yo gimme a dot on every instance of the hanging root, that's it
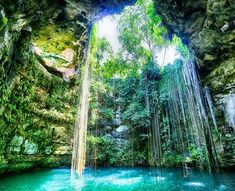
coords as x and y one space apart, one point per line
80 132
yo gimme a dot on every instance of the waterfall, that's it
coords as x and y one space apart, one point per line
80 131
185 108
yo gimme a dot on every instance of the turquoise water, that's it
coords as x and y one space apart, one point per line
119 179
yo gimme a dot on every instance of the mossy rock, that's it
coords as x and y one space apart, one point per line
21 166
54 38
221 78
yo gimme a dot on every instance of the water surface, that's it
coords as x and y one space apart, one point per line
119 179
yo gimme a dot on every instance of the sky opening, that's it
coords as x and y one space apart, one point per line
108 28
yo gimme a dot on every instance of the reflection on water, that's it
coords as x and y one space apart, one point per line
119 179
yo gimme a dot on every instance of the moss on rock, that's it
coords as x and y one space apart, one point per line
54 39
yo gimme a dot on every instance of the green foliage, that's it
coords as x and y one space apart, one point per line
168 74
172 159
3 22
106 151
136 115
126 77
103 150
141 33
182 49
196 154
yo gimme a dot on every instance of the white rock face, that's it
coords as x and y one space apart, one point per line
30 148
230 111
122 129
16 142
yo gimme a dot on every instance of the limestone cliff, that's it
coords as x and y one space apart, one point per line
41 52
200 25
207 26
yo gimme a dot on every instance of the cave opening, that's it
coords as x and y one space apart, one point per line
146 97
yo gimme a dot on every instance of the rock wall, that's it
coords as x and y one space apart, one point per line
41 54
199 24
207 26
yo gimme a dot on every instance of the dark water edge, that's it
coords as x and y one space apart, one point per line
32 163
119 179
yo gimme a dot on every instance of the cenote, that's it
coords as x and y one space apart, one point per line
127 95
